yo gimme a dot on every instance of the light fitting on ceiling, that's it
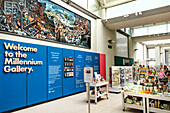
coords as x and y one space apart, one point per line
135 49
125 16
111 41
138 13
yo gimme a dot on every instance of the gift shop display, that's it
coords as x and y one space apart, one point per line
100 88
68 67
120 76
153 86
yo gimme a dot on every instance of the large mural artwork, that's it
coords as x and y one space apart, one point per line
46 20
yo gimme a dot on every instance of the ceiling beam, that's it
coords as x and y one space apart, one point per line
152 16
115 3
162 36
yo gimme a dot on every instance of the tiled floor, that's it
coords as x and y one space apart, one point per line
77 104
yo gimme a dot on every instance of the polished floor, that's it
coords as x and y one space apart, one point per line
77 104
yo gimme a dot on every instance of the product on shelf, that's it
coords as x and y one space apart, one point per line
161 104
134 100
68 67
151 83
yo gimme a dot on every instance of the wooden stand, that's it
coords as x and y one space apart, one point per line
96 94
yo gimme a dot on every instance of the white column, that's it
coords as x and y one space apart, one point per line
157 55
169 59
163 55
145 52
103 13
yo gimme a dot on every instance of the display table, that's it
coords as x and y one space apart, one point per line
145 103
157 110
97 94
124 105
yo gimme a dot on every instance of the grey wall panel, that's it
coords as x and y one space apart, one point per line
121 45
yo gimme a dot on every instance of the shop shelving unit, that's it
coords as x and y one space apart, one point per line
124 105
157 110
96 94
145 106
120 76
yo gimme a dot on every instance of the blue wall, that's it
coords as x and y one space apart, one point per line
46 81
68 82
79 71
37 80
55 59
12 85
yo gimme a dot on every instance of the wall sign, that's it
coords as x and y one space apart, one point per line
45 20
79 68
126 61
55 61
14 56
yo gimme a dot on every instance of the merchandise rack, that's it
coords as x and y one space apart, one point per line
124 105
145 103
96 94
157 110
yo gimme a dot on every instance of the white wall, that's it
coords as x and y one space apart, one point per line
103 35
131 48
157 55
139 52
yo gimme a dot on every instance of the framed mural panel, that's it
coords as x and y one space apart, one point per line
43 19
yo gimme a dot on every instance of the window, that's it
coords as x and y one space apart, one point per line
141 31
121 45
157 29
135 6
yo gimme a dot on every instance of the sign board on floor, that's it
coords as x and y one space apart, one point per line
88 74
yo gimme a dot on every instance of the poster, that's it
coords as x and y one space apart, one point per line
68 67
79 68
96 63
88 59
45 20
54 72
88 74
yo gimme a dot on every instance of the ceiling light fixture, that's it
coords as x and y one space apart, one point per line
111 41
140 13
125 16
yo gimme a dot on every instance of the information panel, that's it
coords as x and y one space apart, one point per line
68 76
96 63
88 59
54 72
37 79
79 68
12 80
